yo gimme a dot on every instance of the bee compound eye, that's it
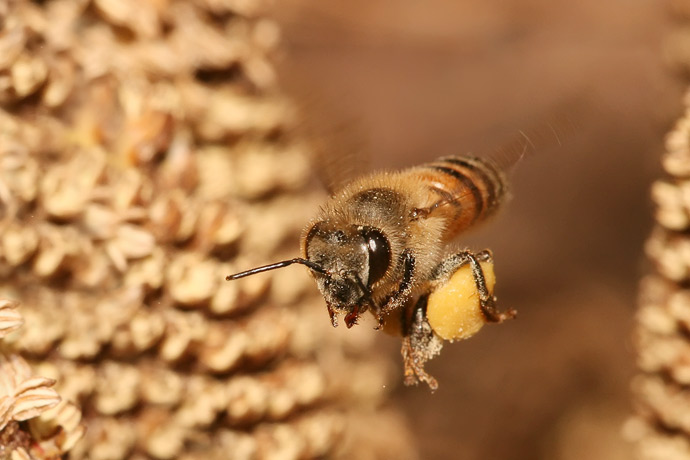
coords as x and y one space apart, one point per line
379 253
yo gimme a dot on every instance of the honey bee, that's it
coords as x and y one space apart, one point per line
380 245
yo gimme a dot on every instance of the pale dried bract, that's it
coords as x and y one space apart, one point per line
10 318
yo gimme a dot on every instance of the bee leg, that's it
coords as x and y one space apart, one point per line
420 344
487 302
381 322
423 213
332 315
398 298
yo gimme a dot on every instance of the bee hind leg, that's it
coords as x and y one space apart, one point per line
487 301
420 344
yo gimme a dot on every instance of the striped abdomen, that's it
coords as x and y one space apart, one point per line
468 189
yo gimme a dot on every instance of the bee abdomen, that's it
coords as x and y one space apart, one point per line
487 178
469 188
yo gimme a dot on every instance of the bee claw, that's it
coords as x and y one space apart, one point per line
351 319
494 316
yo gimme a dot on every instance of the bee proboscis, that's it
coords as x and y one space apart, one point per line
380 245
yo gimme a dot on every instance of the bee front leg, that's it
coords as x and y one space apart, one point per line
332 315
420 344
487 301
397 299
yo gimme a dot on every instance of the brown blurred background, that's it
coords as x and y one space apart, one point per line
416 80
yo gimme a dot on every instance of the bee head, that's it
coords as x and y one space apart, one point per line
353 258
346 262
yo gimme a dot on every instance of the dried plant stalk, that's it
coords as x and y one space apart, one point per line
661 429
145 154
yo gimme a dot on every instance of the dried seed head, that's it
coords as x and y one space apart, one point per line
22 395
140 161
61 82
117 388
65 419
12 42
28 74
10 319
20 454
66 189
191 279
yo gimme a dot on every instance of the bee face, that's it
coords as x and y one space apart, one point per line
354 259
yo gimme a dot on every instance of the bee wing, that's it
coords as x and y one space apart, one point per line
327 120
551 132
526 142
487 174
335 141
338 153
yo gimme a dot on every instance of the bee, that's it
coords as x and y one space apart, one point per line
380 245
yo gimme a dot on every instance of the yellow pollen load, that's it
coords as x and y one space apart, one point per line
453 309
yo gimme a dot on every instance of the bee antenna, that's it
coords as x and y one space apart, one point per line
284 263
